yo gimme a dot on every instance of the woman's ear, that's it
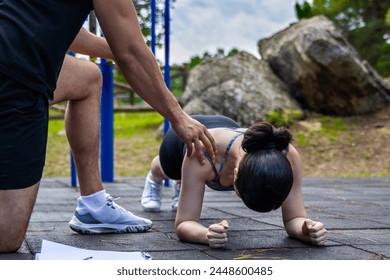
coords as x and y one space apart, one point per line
235 172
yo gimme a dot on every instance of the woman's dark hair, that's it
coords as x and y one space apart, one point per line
264 177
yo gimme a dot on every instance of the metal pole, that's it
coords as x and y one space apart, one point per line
73 170
107 122
153 26
167 68
73 180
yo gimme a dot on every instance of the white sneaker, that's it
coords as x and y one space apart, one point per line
176 193
151 196
109 218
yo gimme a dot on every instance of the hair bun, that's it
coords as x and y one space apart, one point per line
264 136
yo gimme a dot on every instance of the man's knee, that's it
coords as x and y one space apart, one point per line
78 80
16 207
94 78
11 244
12 236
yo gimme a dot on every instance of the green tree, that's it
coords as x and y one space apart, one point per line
144 17
303 11
365 23
220 53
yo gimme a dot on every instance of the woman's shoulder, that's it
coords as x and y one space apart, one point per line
292 153
227 130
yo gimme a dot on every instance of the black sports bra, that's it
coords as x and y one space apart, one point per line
215 183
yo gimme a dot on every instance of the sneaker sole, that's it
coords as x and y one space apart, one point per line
154 210
82 228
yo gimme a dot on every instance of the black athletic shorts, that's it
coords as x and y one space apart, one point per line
172 149
23 134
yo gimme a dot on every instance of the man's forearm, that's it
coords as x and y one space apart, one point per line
144 76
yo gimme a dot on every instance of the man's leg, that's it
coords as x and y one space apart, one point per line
23 134
15 211
80 83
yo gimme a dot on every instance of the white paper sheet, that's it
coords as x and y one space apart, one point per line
56 251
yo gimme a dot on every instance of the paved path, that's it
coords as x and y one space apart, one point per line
355 212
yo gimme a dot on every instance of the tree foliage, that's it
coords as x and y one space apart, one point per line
220 53
144 14
144 17
365 23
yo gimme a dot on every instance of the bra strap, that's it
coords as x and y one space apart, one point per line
228 149
206 154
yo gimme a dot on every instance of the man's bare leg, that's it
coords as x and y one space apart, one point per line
80 82
15 211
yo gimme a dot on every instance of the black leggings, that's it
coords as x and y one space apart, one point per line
172 149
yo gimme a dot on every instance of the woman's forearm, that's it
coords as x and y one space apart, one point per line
193 232
294 228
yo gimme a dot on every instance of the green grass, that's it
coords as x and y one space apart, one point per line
136 143
284 117
329 130
128 124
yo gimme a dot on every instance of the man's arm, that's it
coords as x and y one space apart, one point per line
119 22
89 44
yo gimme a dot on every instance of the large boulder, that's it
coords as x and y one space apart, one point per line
323 71
241 87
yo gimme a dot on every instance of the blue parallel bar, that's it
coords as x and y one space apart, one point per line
167 68
107 123
73 171
153 26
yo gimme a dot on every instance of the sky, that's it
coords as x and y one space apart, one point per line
206 25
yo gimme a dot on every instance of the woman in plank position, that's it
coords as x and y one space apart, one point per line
258 163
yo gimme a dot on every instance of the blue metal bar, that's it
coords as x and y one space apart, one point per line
73 171
153 26
167 68
107 123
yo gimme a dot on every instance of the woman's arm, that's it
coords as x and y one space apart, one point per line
188 228
294 214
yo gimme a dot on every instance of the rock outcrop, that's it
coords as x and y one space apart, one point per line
323 71
241 87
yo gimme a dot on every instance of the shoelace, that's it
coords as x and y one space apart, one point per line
111 203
